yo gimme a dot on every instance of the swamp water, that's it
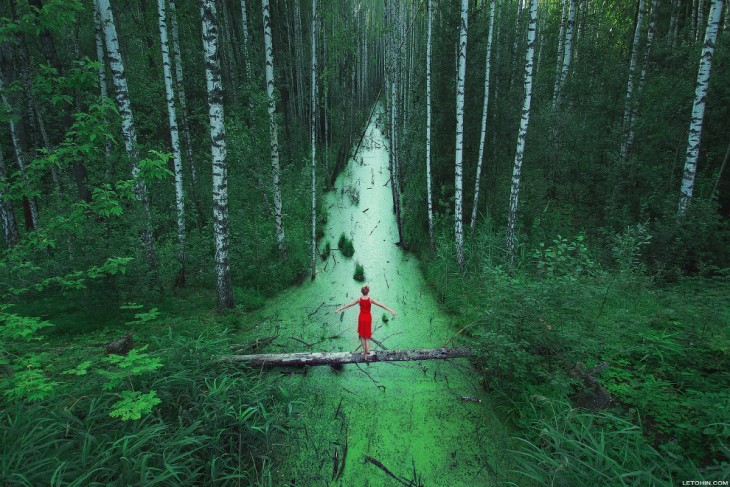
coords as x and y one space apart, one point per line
407 416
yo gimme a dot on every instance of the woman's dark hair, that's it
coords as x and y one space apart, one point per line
365 290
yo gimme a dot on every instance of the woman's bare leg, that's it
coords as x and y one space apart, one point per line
362 344
367 346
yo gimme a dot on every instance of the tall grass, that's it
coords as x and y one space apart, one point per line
216 426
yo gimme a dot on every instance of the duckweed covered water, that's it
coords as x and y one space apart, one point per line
407 416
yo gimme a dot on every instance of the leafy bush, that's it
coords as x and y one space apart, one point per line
345 246
564 258
359 275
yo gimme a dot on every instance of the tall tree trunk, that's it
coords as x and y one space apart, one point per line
431 235
700 19
642 77
698 107
182 100
483 134
298 43
19 148
567 54
7 215
458 159
275 172
521 136
211 48
244 30
103 89
313 132
630 83
129 132
559 62
175 142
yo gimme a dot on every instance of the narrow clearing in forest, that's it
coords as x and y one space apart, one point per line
382 423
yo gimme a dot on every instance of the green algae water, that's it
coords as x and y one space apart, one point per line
409 417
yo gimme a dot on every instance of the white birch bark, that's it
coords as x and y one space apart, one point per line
567 54
275 172
431 235
244 29
483 134
654 7
129 132
298 41
313 120
630 83
19 153
174 140
694 19
182 100
522 135
698 107
103 89
458 159
214 86
7 216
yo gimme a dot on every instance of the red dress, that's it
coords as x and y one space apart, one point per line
365 320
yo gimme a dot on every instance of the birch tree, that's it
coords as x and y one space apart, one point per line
567 55
103 89
312 115
458 159
654 7
698 107
184 117
32 215
630 83
483 134
7 215
129 132
275 172
431 235
559 61
174 140
514 196
244 30
214 86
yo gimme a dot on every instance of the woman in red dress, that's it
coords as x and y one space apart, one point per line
365 320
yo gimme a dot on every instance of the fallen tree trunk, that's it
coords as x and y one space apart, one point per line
340 358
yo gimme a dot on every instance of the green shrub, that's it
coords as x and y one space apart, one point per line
359 275
326 252
345 246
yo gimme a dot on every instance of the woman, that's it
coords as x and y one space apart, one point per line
365 320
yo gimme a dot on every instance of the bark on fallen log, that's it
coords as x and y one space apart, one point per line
339 358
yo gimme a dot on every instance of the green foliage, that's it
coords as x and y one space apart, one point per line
215 423
627 248
134 404
359 274
564 258
326 252
345 246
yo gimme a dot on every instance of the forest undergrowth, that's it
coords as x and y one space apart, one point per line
610 376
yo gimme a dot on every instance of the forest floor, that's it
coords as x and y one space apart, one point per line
408 417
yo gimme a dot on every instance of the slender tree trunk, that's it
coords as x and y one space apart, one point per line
642 77
32 215
103 90
244 29
211 48
298 42
698 107
559 62
630 83
275 172
129 132
175 142
182 100
458 159
483 134
7 215
313 133
700 19
522 134
431 235
567 54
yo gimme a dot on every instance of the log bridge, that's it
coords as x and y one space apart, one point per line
341 358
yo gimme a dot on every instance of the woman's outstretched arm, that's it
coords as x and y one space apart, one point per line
384 307
345 306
